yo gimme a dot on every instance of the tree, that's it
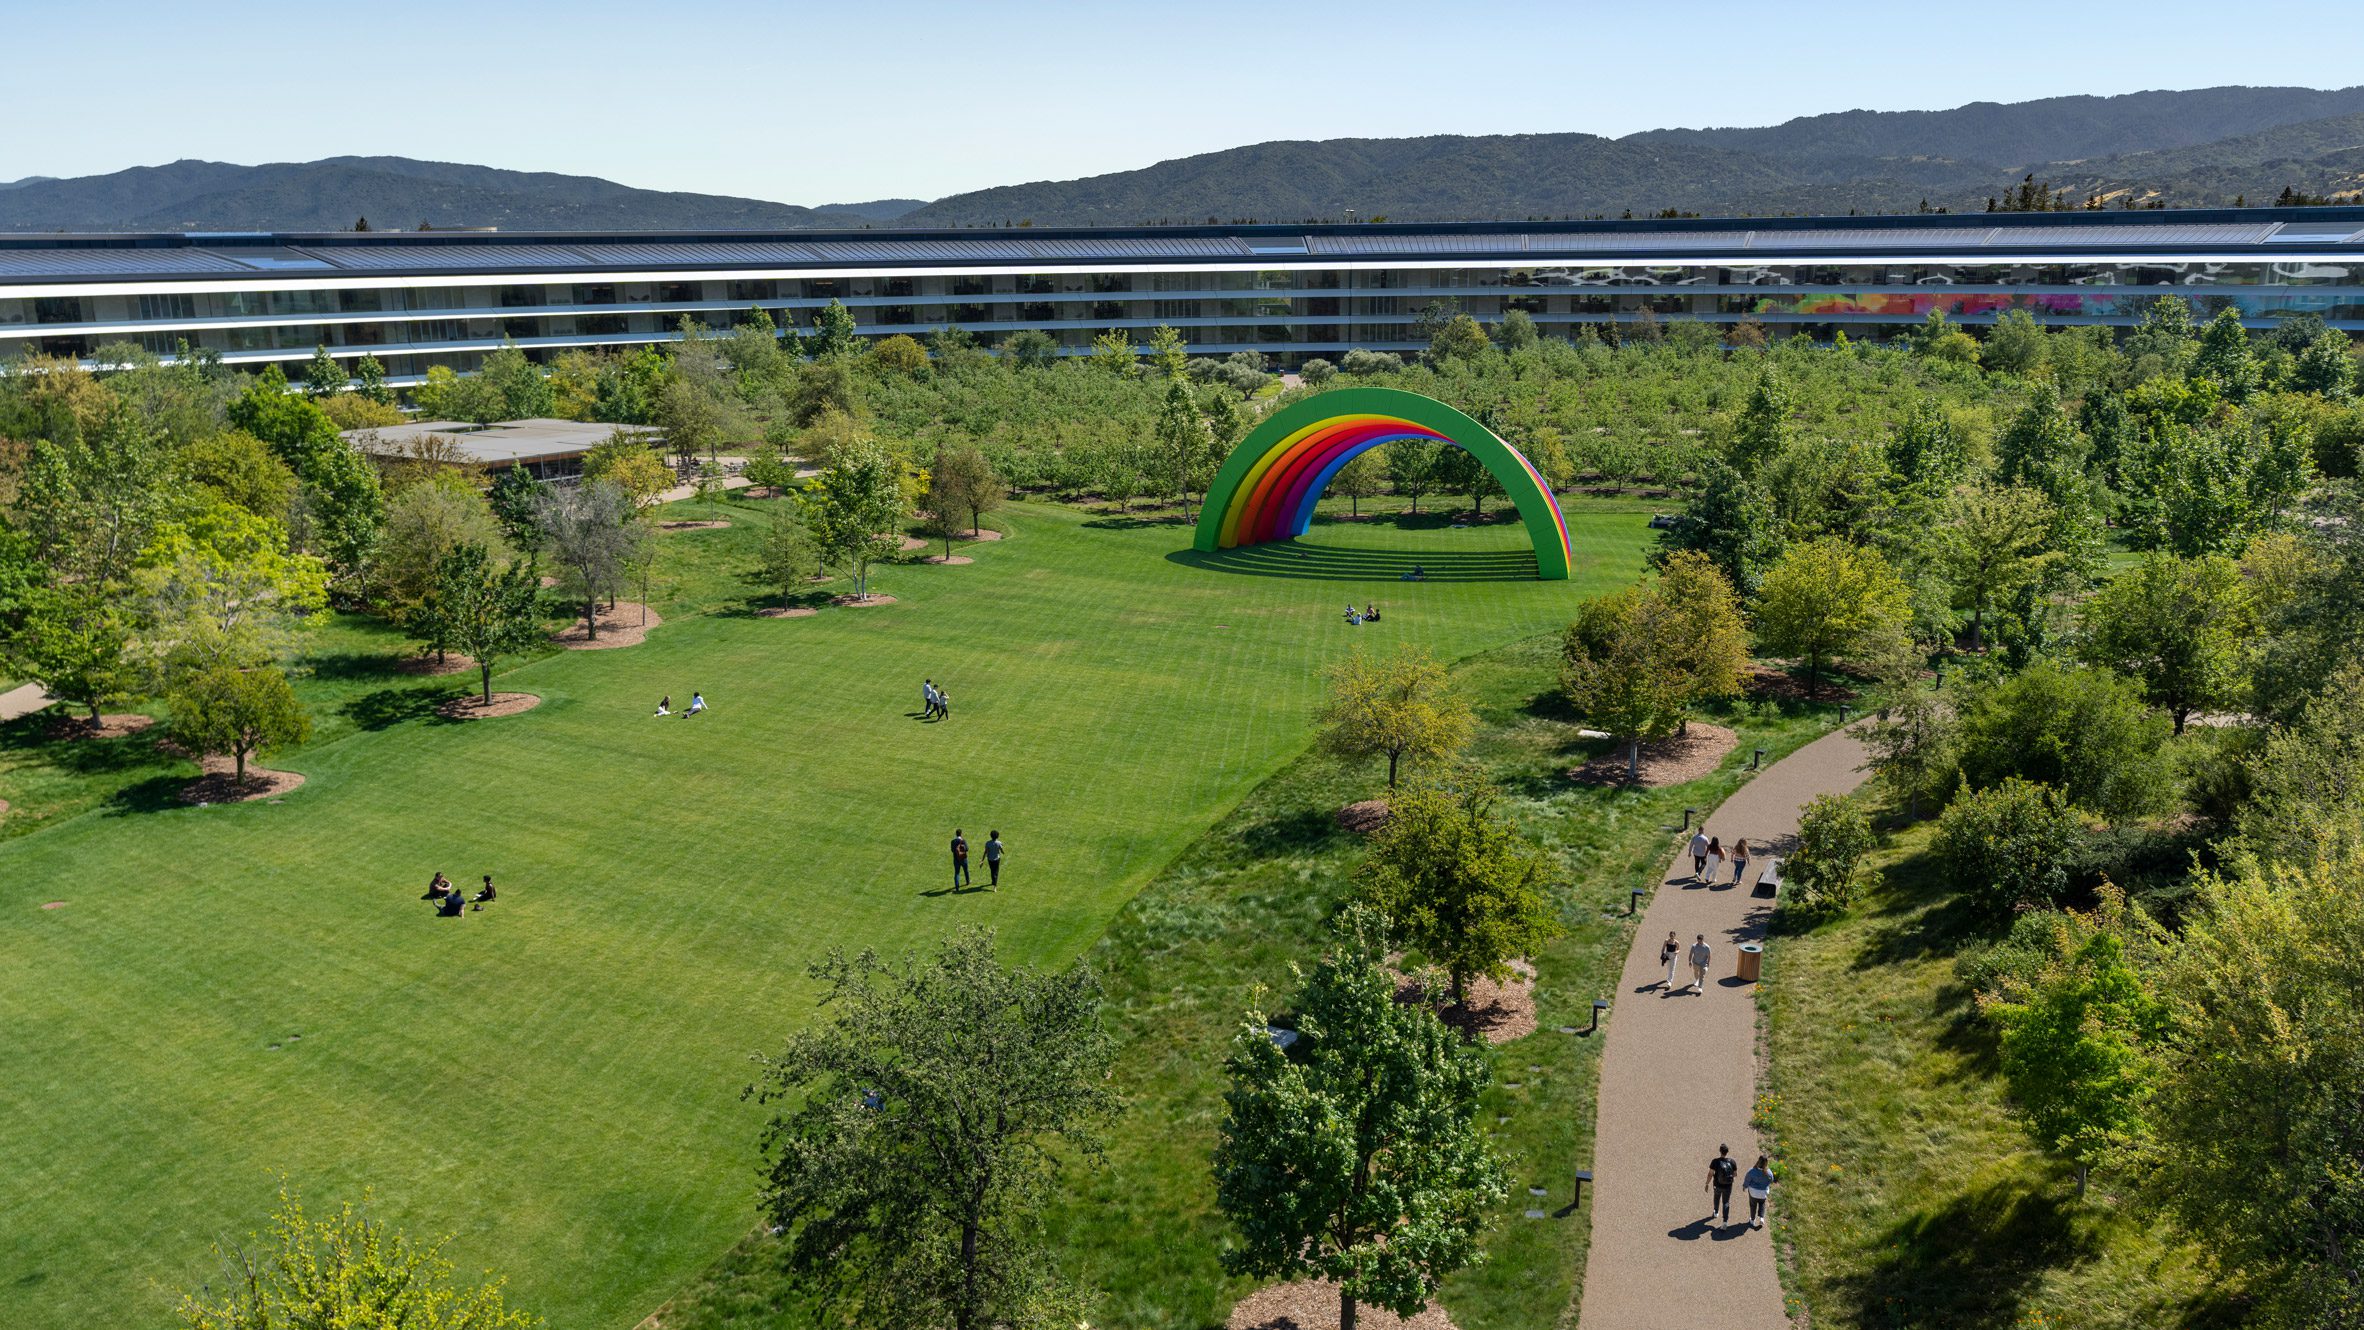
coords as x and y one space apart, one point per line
1355 1156
788 556
342 500
589 533
423 524
221 585
697 417
1458 471
1185 447
1827 598
1400 709
2225 358
900 354
1614 668
822 389
2254 1117
1993 545
1168 353
2084 731
2006 848
834 336
857 503
73 639
235 467
2078 1044
1459 338
515 497
484 610
519 384
369 378
1516 332
1827 870
1730 521
222 709
2306 783
962 484
1030 348
1763 429
1361 478
343 1270
1112 354
625 460
1911 740
2326 366
2182 627
1459 884
2015 345
323 376
1411 467
1710 649
922 1130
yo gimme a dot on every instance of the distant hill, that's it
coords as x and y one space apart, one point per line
394 193
2203 147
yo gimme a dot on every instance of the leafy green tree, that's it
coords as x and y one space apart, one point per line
1730 521
1402 709
2161 344
1412 466
589 532
857 505
1361 478
1031 348
74 640
2326 367
1763 429
1828 869
2225 359
963 484
1458 883
788 556
369 380
924 1126
1168 353
1638 661
1355 1157
2182 627
89 498
2015 345
424 523
342 1270
628 387
523 390
1112 354
2079 1048
1825 599
625 460
1459 338
1185 446
1516 331
1994 544
515 496
2006 848
822 389
2083 731
1911 736
323 376
1458 471
2306 782
2254 1116
486 611
834 336
221 584
342 500
900 354
235 467
1927 451
222 709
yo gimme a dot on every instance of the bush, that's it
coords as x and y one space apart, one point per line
1317 372
1361 363
2084 731
2012 964
2008 848
1827 871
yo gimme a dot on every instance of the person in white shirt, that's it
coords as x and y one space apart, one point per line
1699 853
697 704
1701 954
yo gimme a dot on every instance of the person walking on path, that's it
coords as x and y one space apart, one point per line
1715 859
960 860
1720 1172
1699 854
1701 954
1739 859
1670 954
1758 1185
993 853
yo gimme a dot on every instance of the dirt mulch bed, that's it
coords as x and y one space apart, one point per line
787 612
620 626
3 805
1494 1012
474 707
219 786
947 560
857 603
1664 762
1764 685
454 663
691 526
1312 1304
981 533
109 726
1364 818
915 543
548 582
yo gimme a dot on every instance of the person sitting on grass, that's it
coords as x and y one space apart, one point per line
1353 615
437 888
451 904
1370 614
697 704
486 894
665 705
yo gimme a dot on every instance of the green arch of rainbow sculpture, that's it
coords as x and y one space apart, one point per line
1268 486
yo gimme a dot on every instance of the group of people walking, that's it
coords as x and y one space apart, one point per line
1757 1186
1708 855
451 899
934 705
960 860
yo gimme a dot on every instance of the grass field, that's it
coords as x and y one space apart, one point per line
1911 1195
231 993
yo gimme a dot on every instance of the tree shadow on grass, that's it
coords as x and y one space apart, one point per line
1302 831
388 707
154 795
351 666
1131 521
1969 1263
79 756
1332 563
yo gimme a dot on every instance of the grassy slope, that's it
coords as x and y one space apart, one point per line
1911 1195
555 1080
1230 913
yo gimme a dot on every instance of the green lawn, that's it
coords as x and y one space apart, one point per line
235 992
1911 1195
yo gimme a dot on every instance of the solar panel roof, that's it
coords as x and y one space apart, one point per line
113 262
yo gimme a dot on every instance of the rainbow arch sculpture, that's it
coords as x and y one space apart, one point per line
1270 483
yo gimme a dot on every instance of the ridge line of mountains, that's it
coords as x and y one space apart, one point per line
2206 147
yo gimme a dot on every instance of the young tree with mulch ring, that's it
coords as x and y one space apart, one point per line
961 484
931 1119
590 531
485 610
223 710
856 503
1828 598
1401 709
1459 884
1356 1156
788 556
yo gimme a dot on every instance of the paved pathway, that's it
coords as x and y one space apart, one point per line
23 702
1678 1078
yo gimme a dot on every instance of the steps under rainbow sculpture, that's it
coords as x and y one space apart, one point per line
1270 483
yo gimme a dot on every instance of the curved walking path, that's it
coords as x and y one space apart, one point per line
1679 1078
23 701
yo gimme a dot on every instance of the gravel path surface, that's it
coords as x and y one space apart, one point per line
1679 1078
23 701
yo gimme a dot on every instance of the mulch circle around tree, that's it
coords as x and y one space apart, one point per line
1362 818
1312 1304
1664 761
947 560
1494 1012
109 726
787 612
690 526
1764 685
474 707
620 625
981 533
852 602
452 663
915 543
219 786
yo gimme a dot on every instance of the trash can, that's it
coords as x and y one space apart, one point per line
1752 956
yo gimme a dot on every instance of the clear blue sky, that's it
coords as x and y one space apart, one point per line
860 99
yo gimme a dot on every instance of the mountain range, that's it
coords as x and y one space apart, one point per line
2204 147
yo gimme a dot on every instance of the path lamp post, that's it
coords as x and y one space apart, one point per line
1757 761
1599 1005
1633 903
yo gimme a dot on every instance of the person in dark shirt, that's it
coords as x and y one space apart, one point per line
960 860
1720 1172
993 853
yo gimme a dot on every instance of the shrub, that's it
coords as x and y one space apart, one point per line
1317 372
1361 362
2008 848
1827 871
2085 731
